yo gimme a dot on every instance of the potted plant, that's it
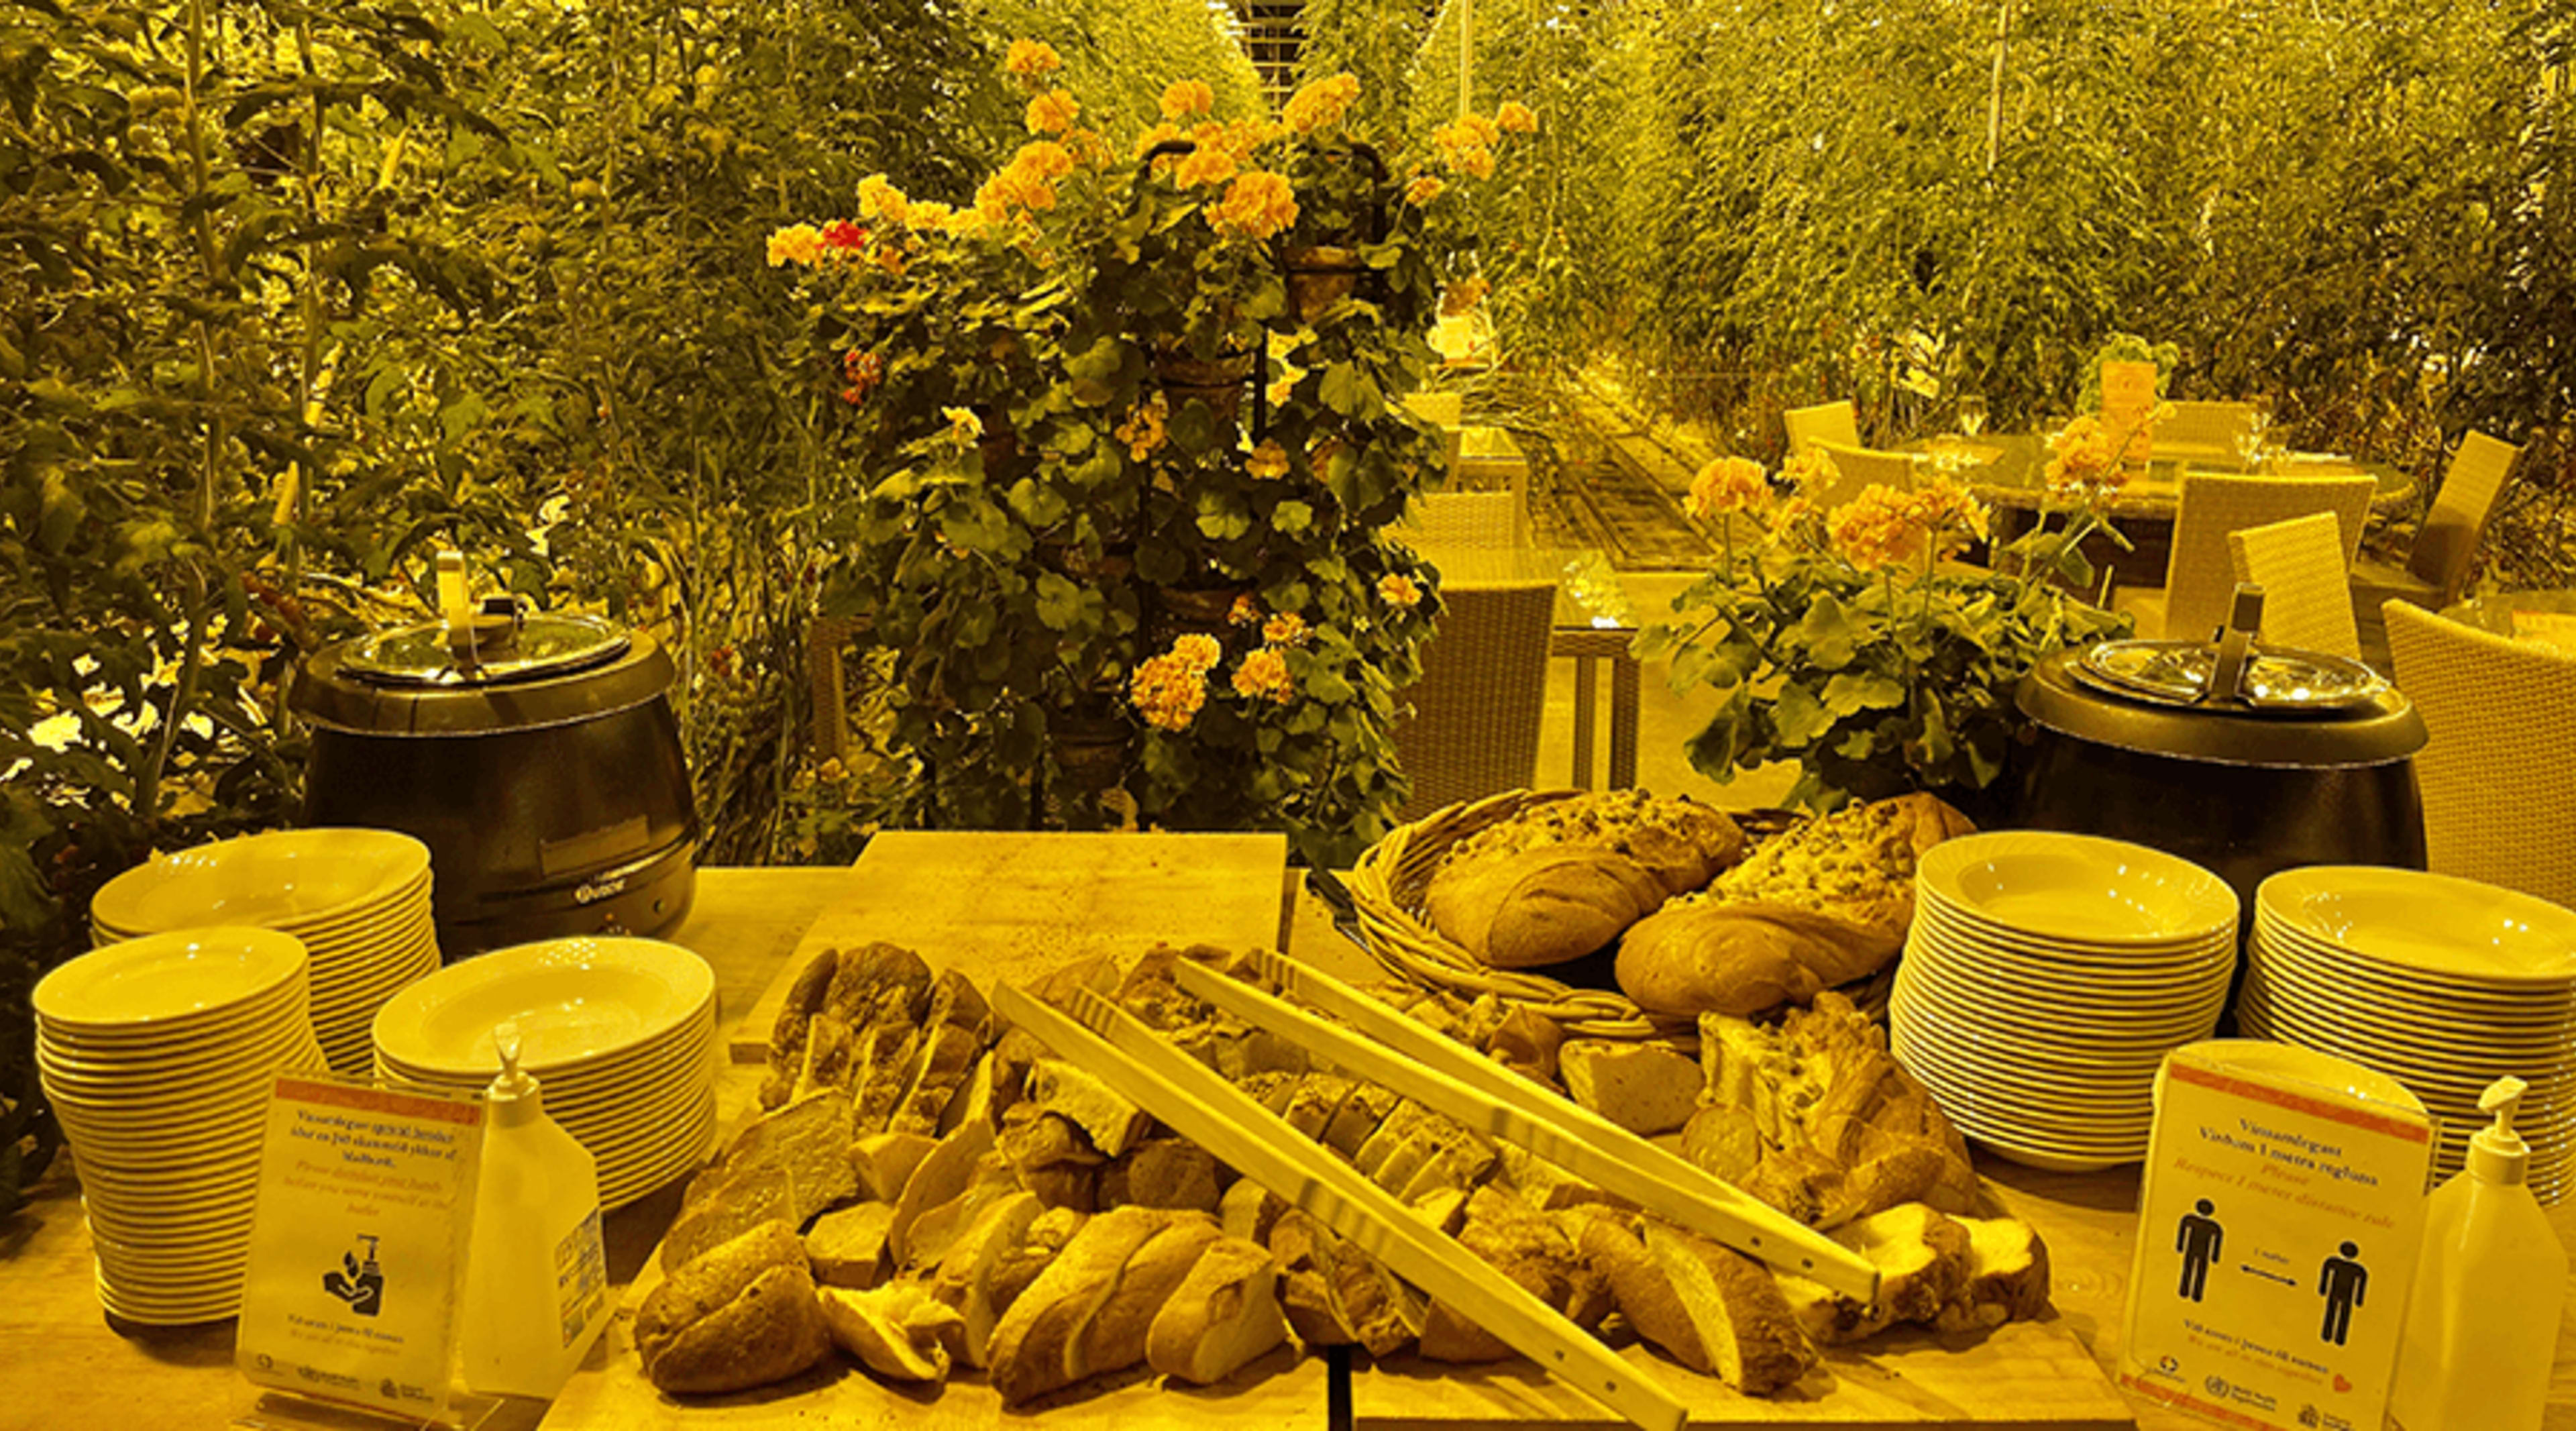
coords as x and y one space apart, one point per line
1169 596
1845 642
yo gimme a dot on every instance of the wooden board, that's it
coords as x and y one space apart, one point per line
2023 1377
1000 904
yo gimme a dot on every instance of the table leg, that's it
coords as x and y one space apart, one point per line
1583 715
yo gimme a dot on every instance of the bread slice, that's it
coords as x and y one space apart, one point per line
1223 1315
1021 1266
883 1162
939 1226
787 1035
1111 1123
848 1246
943 1173
1038 1340
896 1331
1712 1309
1162 1172
2007 1276
1117 1335
965 1277
1922 1260
743 1315
1644 1088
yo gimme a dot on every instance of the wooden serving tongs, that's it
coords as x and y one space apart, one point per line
1199 1104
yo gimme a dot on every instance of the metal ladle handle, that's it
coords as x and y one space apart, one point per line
2236 644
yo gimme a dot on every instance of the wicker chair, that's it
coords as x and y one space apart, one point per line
2201 575
1474 727
2204 429
2437 565
1484 521
1834 422
1856 467
2499 772
2304 571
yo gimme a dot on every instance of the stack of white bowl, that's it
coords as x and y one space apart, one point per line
157 1055
358 900
2443 984
2044 980
619 1033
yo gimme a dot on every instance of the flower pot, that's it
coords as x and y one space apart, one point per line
1217 382
1186 611
1320 277
1090 751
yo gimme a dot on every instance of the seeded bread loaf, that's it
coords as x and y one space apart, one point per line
743 1315
1822 905
1561 879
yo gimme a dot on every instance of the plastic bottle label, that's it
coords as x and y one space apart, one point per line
581 1277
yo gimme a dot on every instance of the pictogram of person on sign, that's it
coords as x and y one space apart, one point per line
2198 1241
2341 1283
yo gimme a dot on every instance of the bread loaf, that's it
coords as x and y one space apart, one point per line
1562 878
1825 904
1117 1335
2007 1279
743 1315
1922 1262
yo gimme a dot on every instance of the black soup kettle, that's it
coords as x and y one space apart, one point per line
536 755
2245 760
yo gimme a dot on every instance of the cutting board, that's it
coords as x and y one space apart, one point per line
1002 904
2022 1377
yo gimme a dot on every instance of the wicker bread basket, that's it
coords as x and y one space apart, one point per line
1388 886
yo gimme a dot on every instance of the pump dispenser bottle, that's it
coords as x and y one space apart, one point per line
2483 1327
536 1277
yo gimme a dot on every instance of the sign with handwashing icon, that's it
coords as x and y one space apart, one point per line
358 1243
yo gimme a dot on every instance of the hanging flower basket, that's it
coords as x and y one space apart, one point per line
1319 277
1216 382
1193 611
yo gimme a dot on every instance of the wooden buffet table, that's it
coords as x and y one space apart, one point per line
66 1366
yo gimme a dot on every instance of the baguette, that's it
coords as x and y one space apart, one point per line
1038 1346
1712 1309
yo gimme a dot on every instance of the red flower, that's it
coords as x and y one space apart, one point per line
844 235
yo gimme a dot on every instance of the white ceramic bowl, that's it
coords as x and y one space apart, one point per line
286 877
2433 924
2077 887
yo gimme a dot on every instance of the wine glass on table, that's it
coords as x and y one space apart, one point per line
1972 415
2253 443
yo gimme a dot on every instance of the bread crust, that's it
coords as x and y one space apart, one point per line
1563 878
1824 905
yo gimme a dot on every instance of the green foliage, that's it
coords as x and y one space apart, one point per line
1375 41
2359 211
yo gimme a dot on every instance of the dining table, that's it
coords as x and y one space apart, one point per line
2547 616
68 1366
2008 472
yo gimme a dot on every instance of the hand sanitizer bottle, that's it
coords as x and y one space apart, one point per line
2483 1327
536 1277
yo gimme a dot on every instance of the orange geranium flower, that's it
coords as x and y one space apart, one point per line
1268 462
1032 58
1264 676
1423 190
1259 205
1053 112
1321 103
1516 118
1878 528
1286 629
1729 484
798 244
1399 590
1185 98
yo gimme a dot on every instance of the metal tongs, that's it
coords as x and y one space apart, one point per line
1199 1104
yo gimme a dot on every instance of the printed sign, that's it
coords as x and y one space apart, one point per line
358 1243
2277 1238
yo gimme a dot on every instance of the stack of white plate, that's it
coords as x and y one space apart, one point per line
357 899
2046 977
619 1033
2443 984
157 1055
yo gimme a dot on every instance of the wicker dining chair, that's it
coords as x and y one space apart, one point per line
1856 467
1835 422
2498 774
2204 427
1489 521
2303 568
2446 546
1474 725
2200 576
